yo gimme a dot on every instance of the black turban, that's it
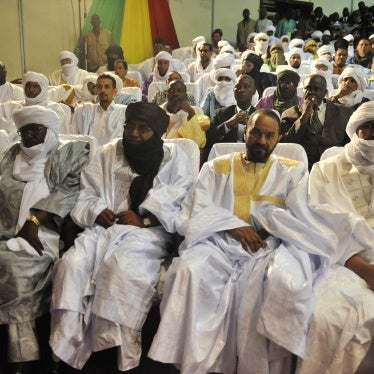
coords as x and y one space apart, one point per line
289 76
155 117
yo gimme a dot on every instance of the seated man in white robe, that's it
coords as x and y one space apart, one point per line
342 190
238 298
185 121
8 91
131 197
39 184
35 88
103 120
69 73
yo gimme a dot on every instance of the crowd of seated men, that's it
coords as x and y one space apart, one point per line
273 268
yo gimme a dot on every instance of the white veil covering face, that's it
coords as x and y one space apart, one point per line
29 167
42 98
68 70
356 96
224 91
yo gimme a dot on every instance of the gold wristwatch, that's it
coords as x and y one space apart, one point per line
34 219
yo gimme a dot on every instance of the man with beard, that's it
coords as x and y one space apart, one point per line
203 63
316 124
285 96
129 205
8 91
238 298
69 72
163 66
185 121
104 119
341 190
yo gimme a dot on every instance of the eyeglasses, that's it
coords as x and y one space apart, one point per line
31 130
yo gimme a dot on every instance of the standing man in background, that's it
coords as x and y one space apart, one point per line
245 27
97 41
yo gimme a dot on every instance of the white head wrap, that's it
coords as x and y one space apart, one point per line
163 55
42 98
245 54
223 43
36 114
296 43
294 51
224 91
250 36
227 49
327 32
82 92
198 40
360 152
371 36
223 60
68 70
364 113
270 28
316 34
261 46
349 38
327 74
356 75
325 50
119 81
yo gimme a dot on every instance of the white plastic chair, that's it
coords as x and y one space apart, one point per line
191 149
134 74
94 143
155 87
269 91
193 89
290 150
136 91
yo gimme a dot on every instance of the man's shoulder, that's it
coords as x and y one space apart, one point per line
225 110
292 112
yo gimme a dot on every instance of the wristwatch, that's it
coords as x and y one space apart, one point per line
147 222
34 219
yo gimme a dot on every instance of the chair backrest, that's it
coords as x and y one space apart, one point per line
191 149
155 87
178 66
369 93
269 90
136 91
134 74
290 150
185 77
265 68
193 89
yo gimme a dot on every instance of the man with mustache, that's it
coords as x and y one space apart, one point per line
102 120
243 281
341 190
316 124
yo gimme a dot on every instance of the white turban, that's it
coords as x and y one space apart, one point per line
69 70
317 34
371 36
163 55
349 38
327 32
245 54
285 37
356 75
250 36
321 61
294 51
36 114
224 91
82 92
261 35
296 42
325 49
270 28
222 43
223 60
223 72
42 98
227 49
198 40
119 81
68 54
364 113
